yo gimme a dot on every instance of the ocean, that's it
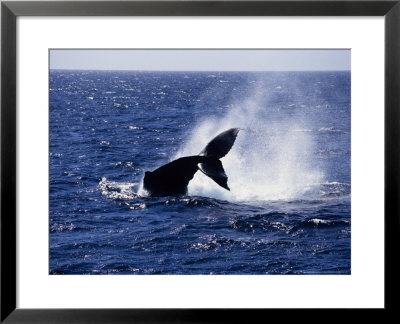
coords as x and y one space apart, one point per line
288 210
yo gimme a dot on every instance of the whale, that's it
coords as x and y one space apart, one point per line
173 178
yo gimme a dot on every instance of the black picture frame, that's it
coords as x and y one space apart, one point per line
10 10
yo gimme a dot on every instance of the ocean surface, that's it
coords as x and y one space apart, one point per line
289 207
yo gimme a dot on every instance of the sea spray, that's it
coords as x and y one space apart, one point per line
271 159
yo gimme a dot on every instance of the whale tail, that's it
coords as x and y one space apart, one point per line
216 149
174 177
221 144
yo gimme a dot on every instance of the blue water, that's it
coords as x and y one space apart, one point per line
288 211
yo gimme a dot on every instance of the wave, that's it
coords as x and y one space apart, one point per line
69 227
331 130
335 189
118 190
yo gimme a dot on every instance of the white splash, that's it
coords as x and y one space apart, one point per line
270 160
118 190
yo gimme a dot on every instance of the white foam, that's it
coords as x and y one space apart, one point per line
318 221
118 190
270 160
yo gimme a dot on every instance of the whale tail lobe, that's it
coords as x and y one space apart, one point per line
173 178
216 149
221 144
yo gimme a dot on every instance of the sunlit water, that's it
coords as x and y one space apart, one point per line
288 211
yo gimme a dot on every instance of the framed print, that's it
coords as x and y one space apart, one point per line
162 160
215 103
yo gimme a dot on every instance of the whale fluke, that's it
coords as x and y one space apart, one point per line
214 169
220 145
173 178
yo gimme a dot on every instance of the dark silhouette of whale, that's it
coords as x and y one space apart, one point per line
173 178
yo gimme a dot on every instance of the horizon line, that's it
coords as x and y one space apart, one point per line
133 70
